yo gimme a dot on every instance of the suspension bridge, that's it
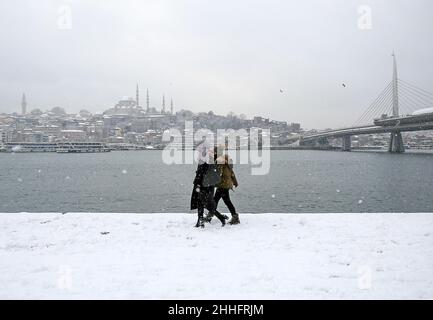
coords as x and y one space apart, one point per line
400 107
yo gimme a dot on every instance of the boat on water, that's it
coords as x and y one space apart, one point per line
59 147
24 147
81 147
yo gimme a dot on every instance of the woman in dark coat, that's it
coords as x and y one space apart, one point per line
204 185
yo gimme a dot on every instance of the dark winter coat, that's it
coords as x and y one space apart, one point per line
225 169
206 178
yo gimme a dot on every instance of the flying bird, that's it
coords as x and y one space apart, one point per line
281 90
344 85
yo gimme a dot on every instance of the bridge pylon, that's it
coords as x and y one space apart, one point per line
396 143
396 140
346 143
395 104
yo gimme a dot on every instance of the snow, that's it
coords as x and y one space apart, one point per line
267 256
422 111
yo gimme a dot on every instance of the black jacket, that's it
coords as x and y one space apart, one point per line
199 174
206 177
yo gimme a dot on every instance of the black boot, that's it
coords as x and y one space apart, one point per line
221 218
235 219
208 217
200 223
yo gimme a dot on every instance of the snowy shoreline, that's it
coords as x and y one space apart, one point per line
268 256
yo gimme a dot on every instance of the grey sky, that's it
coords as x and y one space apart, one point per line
214 55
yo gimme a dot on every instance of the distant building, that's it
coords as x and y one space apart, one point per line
73 135
28 135
163 104
126 103
137 97
126 106
23 105
5 135
296 127
260 121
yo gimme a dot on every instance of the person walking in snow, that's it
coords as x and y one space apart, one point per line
204 185
228 181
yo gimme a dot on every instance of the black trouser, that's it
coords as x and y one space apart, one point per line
224 193
206 200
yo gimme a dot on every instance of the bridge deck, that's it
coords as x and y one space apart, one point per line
369 130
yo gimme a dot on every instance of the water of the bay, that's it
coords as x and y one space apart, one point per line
139 181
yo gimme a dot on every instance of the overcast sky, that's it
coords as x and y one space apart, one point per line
220 55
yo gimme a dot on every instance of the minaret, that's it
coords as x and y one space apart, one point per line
171 106
23 105
395 107
163 104
147 101
137 97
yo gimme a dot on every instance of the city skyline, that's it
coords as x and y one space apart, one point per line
26 111
282 60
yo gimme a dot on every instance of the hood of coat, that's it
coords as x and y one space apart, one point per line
224 159
204 153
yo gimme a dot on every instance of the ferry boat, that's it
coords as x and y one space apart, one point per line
81 147
59 147
20 147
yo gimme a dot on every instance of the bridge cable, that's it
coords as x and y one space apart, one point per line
373 105
417 88
413 101
418 93
385 108
378 107
422 99
407 102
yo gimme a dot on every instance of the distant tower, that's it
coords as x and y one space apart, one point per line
395 107
24 104
163 104
171 106
147 101
137 97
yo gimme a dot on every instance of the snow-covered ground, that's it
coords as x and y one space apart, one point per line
268 256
